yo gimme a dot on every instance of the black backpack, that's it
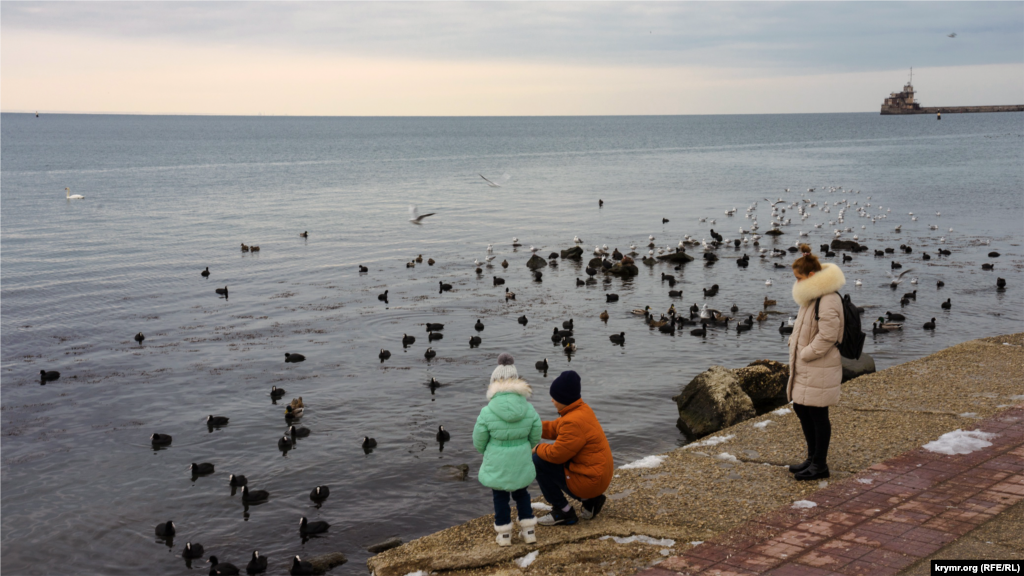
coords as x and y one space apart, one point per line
853 337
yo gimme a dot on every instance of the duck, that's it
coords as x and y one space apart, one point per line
925 256
1001 283
384 355
285 443
295 408
304 235
434 326
987 266
479 326
201 469
603 316
244 247
292 357
48 376
498 281
300 567
408 340
675 293
619 338
783 329
218 568
939 283
743 326
251 496
160 439
702 331
580 282
567 324
768 302
542 365
298 432
320 493
474 341
237 480
895 265
611 297
504 263
762 316
212 420
509 295
418 259
363 268
254 248
383 297
222 291
434 336
569 348
257 564
429 354
165 529
369 443
410 264
993 254
445 287
947 304
559 334
882 323
192 551
522 320
442 435
911 295
205 273
430 262
930 325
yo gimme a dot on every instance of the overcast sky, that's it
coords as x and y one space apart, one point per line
497 58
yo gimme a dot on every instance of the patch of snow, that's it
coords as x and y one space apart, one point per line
697 542
540 506
804 504
823 484
1017 397
528 559
969 415
865 480
713 441
781 411
960 442
418 573
645 462
666 551
727 457
640 538
762 424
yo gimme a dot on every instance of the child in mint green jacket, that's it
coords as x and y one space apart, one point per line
505 433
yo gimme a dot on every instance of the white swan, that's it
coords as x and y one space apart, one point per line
70 196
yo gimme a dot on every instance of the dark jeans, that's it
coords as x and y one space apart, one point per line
502 512
551 478
817 431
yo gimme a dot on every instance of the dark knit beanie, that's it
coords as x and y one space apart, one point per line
566 388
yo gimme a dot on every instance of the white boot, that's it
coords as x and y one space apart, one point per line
504 534
526 530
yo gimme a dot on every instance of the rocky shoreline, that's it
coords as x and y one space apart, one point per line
707 487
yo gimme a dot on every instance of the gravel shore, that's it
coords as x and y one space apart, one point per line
708 487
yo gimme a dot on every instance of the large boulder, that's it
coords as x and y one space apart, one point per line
624 270
847 245
595 263
853 368
712 401
575 253
536 262
324 562
388 544
676 257
764 381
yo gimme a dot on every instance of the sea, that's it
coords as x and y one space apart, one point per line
168 196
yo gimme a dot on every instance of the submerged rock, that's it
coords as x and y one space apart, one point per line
853 368
452 472
649 261
711 401
385 545
536 262
676 258
325 562
575 253
847 245
624 268
774 232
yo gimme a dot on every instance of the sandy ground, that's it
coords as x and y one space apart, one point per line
700 491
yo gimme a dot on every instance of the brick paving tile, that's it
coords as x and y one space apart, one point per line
712 552
752 561
998 497
823 560
949 526
720 570
863 568
911 547
844 548
800 538
930 535
657 571
799 570
777 549
822 527
887 528
686 564
845 519
889 559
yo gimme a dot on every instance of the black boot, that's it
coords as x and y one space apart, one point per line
795 468
813 472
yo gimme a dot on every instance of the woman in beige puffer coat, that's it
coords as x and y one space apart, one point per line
815 365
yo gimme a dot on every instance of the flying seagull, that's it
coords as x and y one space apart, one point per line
504 177
415 217
897 279
951 35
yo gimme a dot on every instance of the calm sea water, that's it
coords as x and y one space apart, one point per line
169 196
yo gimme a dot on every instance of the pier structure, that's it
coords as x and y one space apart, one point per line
904 102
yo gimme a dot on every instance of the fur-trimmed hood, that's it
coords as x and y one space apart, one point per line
516 385
827 281
504 405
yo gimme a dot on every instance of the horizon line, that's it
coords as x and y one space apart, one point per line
213 114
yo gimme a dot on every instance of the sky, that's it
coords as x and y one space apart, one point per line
504 58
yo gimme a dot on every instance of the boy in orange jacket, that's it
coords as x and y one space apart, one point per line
579 463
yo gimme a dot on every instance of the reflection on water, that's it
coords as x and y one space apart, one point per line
168 197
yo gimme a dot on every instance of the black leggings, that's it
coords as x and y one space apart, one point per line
817 431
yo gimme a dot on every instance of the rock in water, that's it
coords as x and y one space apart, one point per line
595 263
848 245
536 262
452 472
774 232
575 253
712 401
764 381
385 545
853 368
677 257
325 562
624 269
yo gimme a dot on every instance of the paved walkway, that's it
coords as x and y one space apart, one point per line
882 521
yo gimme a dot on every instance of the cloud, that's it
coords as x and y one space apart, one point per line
810 36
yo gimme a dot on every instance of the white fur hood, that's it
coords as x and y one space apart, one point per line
515 385
827 281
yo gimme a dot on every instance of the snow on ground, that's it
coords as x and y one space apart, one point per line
645 462
762 424
713 441
528 559
960 442
727 457
804 504
640 538
782 411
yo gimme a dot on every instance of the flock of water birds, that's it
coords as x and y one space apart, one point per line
785 214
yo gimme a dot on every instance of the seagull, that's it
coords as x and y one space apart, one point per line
857 282
897 279
951 35
415 217
492 184
768 282
490 248
576 240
